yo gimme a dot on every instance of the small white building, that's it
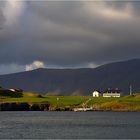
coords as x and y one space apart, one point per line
16 90
111 95
12 90
96 93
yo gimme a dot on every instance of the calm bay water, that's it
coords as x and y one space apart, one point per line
69 125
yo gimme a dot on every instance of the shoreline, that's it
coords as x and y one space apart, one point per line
47 107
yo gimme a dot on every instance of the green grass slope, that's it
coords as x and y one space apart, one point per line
125 103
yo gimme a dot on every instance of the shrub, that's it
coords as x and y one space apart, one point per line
39 96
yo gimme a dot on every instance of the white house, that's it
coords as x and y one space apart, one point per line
12 90
16 90
112 93
96 93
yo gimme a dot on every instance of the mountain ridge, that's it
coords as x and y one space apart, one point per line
81 81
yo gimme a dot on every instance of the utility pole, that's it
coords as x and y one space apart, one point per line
130 89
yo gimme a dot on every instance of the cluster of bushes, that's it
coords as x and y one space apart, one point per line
24 107
56 108
40 107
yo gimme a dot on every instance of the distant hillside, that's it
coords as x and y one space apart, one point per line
77 81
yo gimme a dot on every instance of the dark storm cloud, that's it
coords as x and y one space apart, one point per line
1 19
69 34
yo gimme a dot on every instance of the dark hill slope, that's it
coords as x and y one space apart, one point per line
77 81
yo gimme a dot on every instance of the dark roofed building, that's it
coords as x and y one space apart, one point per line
112 92
16 90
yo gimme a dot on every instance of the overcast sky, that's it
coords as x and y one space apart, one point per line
67 34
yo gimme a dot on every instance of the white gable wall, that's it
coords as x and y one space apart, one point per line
95 94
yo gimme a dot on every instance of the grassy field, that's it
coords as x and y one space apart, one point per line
125 103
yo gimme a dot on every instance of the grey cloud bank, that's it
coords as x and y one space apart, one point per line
67 34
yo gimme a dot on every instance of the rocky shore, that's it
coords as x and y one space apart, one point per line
31 107
24 107
48 107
